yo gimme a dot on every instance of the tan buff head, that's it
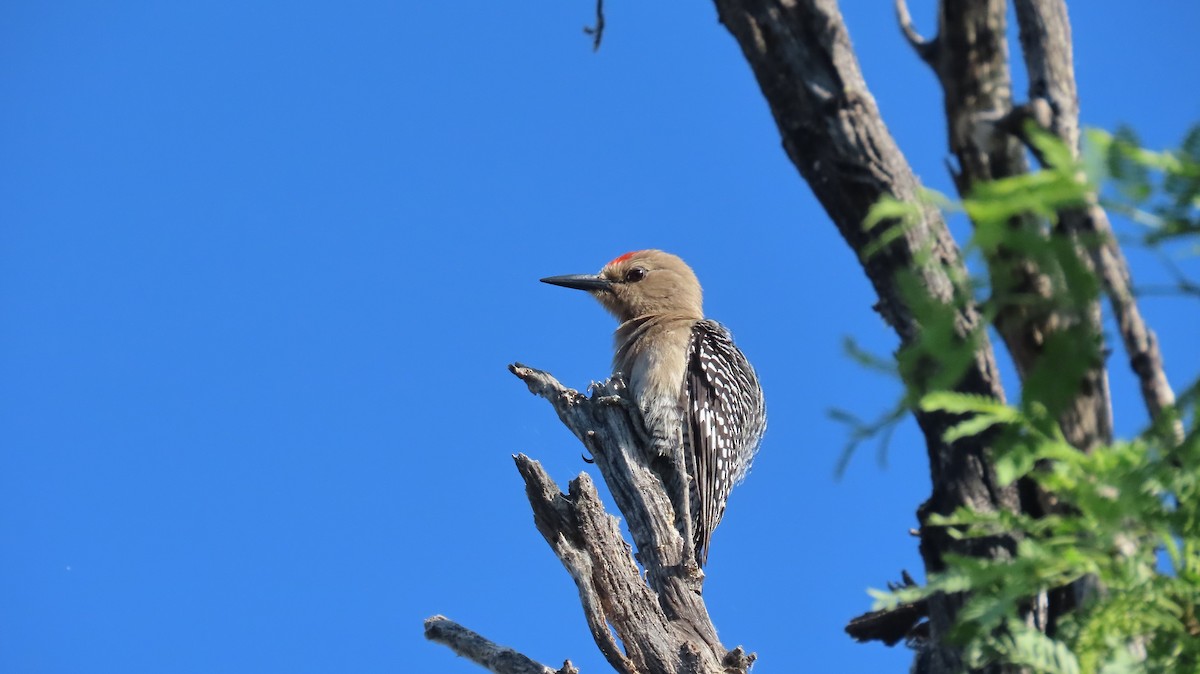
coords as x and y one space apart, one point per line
642 283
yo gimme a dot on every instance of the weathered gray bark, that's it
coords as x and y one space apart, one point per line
648 620
800 52
970 58
1045 32
661 617
801 56
487 654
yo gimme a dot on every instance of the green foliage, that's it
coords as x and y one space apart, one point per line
859 430
899 216
1127 515
981 413
1159 190
1042 193
1132 523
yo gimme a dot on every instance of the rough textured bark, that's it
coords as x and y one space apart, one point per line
647 620
1045 32
970 58
661 620
801 56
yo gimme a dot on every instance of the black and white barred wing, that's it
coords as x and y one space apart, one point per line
724 419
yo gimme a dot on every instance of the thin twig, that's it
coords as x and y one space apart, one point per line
1184 289
597 31
926 49
1183 284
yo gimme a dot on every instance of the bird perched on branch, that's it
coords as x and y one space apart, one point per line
697 393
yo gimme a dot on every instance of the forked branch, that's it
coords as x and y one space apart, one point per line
1046 46
661 619
645 612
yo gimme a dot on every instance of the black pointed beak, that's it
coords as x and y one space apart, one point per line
589 282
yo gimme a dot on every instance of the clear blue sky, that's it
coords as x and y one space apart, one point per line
262 266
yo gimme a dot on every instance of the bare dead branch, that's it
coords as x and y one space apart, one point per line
644 623
610 428
559 521
659 617
597 31
485 653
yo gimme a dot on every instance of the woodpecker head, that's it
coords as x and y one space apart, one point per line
641 283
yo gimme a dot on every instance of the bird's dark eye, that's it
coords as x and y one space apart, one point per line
634 275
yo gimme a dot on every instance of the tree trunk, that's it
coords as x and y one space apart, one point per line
800 53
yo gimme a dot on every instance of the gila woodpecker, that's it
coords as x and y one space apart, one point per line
694 388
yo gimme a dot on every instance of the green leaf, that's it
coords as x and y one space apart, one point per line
1053 150
1029 647
962 403
1014 464
867 359
1128 512
1132 176
971 427
890 208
